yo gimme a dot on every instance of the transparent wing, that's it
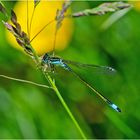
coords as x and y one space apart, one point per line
110 103
102 69
67 68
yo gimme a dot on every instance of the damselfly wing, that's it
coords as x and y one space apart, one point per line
52 61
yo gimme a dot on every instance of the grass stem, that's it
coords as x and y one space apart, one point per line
66 107
24 81
52 83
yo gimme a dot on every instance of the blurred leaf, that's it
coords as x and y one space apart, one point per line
2 8
125 128
114 18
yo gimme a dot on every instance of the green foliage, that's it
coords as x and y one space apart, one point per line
27 111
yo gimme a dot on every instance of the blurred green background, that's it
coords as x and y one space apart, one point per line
27 111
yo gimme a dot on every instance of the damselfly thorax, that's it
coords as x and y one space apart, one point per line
50 62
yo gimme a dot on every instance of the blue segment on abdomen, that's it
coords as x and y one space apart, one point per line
115 107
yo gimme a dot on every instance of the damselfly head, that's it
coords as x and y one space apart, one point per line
45 57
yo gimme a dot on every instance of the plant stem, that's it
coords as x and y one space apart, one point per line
52 83
34 54
42 30
25 81
66 107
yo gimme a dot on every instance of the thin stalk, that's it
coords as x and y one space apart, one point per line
27 19
31 21
65 106
55 34
25 81
42 30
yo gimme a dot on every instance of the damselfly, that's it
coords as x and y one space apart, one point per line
50 62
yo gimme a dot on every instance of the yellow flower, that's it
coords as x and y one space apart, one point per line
136 5
44 13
